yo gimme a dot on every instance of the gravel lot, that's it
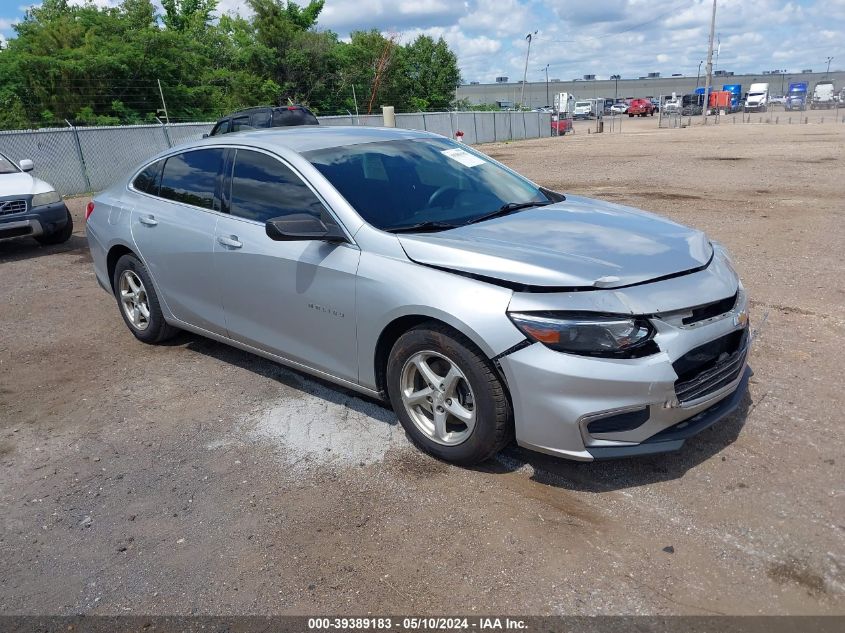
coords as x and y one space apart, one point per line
195 478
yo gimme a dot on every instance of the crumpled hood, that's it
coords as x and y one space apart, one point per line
21 184
580 242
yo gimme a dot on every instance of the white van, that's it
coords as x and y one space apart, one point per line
823 96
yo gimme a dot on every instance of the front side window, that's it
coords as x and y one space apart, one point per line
149 179
263 188
395 185
191 177
7 166
241 123
220 128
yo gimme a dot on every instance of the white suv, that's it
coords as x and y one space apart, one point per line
30 207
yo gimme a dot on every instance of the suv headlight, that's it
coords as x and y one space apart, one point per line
43 199
586 334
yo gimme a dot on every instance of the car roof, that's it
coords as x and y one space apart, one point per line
305 138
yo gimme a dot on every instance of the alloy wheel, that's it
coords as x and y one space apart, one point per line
438 398
134 300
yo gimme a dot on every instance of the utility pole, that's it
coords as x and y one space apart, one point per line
827 74
163 104
698 74
528 37
709 65
548 103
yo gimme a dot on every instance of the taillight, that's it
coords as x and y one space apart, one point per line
89 210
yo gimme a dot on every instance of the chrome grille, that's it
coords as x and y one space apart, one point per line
8 207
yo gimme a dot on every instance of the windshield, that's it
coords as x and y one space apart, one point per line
7 166
399 184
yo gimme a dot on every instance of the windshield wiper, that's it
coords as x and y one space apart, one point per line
510 207
421 227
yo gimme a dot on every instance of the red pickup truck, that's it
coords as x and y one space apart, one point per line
561 127
640 107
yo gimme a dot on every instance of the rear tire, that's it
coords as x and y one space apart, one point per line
138 302
448 396
57 237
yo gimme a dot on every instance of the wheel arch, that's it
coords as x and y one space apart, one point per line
115 253
394 329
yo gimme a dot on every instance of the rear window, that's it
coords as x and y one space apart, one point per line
191 177
283 117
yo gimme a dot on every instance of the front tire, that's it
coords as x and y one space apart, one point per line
448 396
138 302
58 237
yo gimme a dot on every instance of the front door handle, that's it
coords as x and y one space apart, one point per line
231 241
149 220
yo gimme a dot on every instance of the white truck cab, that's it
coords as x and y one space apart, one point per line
757 98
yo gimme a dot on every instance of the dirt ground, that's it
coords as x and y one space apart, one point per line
195 478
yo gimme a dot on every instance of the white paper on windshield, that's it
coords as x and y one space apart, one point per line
464 158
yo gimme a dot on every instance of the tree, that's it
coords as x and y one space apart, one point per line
184 15
101 65
431 71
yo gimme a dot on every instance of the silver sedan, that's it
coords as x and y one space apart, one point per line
412 268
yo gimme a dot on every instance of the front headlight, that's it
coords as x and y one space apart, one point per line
43 199
585 334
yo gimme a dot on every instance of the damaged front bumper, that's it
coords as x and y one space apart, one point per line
588 408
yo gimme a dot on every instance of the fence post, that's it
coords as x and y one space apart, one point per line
475 125
425 128
79 154
166 134
510 125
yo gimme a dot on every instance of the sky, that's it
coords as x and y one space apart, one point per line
626 37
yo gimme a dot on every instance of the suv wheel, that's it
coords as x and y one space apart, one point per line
138 302
448 395
58 237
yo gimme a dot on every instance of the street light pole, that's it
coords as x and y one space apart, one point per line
827 74
547 84
616 91
529 37
698 74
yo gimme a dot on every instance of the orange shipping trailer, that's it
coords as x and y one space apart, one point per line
720 100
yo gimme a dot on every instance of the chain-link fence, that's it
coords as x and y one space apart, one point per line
773 114
81 159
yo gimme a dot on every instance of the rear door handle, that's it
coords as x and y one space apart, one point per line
149 220
231 242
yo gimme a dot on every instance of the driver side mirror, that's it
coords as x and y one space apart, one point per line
300 227
27 165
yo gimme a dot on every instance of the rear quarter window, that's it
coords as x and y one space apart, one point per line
149 179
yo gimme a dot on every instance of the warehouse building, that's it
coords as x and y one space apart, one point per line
506 94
